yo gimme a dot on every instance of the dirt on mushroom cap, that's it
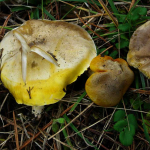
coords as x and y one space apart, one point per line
69 44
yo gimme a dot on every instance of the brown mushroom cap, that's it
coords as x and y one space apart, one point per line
36 80
110 81
139 49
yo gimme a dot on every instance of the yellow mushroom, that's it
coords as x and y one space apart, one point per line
109 82
139 49
40 58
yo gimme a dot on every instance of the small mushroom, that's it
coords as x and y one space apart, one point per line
109 82
40 58
139 49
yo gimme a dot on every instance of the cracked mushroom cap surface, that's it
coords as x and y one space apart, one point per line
40 58
109 82
139 49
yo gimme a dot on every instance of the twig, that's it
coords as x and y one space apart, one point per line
71 121
2 31
2 107
91 16
132 3
77 7
45 127
20 115
3 102
67 110
89 126
109 13
57 10
16 131
35 136
107 123
96 7
146 92
106 49
90 28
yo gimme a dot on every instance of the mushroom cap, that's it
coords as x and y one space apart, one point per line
139 49
109 82
69 44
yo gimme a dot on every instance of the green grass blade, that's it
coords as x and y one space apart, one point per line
79 134
132 9
48 14
113 6
66 136
78 101
19 8
6 28
35 14
145 129
144 126
68 13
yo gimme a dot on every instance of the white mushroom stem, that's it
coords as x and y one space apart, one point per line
37 110
24 53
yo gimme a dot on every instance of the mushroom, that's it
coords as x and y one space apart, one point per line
109 82
40 58
139 49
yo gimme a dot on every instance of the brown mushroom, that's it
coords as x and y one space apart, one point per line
109 82
139 49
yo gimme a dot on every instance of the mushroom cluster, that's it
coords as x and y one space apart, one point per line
139 49
40 58
109 82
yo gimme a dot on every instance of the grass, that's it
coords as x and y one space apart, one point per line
75 122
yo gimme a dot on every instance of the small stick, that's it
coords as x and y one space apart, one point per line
90 28
16 132
71 121
46 126
106 50
132 3
2 31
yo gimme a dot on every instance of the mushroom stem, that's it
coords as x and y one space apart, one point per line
37 110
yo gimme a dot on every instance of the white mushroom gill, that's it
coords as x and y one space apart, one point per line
24 52
44 54
26 49
36 110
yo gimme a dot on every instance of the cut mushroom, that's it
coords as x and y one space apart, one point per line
40 58
139 49
109 82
